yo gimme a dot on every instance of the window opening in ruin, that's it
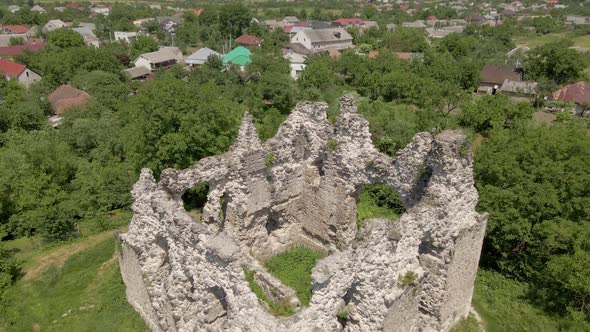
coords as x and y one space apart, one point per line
342 315
378 201
223 201
194 200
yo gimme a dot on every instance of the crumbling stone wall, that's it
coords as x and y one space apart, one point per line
300 188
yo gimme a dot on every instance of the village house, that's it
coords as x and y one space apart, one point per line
248 41
169 23
577 20
416 24
52 25
348 23
17 29
271 24
289 20
125 36
31 45
519 90
370 24
200 57
409 56
296 63
493 76
13 8
62 99
16 71
140 73
577 94
141 21
89 37
475 18
431 20
164 57
322 39
239 56
38 9
293 29
100 9
6 38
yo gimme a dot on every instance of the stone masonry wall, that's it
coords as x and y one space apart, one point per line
300 188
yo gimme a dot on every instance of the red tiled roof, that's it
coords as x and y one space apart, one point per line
16 28
66 97
404 55
373 54
574 93
432 18
197 12
347 21
11 51
248 40
11 69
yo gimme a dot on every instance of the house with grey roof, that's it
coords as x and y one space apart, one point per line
164 57
200 56
577 20
53 25
38 9
137 73
321 39
89 37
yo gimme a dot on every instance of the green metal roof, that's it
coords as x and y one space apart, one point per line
238 56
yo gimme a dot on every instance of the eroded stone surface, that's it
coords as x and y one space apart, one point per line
300 188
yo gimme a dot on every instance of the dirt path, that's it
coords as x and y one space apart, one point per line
57 256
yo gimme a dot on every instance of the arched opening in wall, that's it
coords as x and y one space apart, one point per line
194 200
378 200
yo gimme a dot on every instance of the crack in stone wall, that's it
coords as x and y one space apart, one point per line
300 188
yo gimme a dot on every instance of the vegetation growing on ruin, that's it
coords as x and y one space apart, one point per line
293 268
408 278
332 144
282 308
378 201
269 160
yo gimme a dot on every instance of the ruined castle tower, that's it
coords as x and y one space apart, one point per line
300 188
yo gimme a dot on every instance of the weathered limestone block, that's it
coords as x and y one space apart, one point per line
300 188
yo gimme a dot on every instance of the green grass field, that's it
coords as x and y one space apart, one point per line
86 293
538 40
77 287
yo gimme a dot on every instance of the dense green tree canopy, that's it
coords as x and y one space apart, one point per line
555 62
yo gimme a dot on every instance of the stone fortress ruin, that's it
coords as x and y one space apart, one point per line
300 189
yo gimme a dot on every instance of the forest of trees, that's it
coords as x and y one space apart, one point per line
532 178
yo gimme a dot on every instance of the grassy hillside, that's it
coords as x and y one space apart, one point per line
78 287
75 287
